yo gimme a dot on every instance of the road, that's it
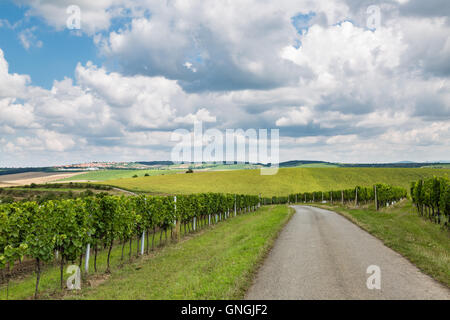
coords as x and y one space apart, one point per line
125 191
322 255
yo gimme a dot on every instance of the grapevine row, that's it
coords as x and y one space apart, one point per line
67 227
381 194
432 199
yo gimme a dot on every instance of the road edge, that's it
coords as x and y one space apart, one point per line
363 227
270 244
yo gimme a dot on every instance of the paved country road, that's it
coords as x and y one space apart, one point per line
322 255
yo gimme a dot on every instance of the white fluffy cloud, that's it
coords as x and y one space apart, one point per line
95 15
297 116
101 110
11 85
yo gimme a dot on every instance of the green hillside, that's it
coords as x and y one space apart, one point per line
103 175
288 180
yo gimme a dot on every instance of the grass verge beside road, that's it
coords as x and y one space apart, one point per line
425 244
216 264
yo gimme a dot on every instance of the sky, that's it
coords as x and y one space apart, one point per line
343 80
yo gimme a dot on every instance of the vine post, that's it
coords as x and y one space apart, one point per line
177 222
86 262
142 243
376 199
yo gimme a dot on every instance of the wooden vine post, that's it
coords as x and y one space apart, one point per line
376 199
86 262
177 221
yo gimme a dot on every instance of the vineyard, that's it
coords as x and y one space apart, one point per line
67 230
432 199
381 194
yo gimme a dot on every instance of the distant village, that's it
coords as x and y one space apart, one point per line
92 166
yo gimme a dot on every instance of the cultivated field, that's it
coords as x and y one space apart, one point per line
288 180
26 178
103 175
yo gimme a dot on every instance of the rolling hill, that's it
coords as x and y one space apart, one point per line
288 180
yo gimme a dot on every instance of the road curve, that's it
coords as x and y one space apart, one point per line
322 255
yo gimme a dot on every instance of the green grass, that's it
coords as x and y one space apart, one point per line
286 181
425 244
317 165
217 167
103 175
217 264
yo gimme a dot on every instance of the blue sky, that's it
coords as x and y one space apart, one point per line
138 70
61 50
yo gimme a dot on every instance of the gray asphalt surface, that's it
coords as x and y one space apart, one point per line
322 255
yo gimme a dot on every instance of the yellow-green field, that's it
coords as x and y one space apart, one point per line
103 175
288 180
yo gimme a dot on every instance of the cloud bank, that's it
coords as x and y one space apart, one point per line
337 90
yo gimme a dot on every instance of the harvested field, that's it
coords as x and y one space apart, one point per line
26 178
